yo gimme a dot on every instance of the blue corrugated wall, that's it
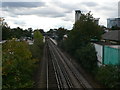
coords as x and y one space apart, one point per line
111 55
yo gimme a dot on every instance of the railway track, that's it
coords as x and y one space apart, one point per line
51 74
61 72
72 68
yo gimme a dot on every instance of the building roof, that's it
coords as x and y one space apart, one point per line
112 35
78 11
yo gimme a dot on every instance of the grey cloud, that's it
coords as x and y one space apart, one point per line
46 12
107 8
26 8
57 8
108 11
22 4
31 8
90 4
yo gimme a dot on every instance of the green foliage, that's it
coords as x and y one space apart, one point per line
87 27
18 65
86 58
60 33
74 41
17 32
8 33
37 47
78 43
109 76
38 36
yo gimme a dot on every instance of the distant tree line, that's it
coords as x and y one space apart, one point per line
8 33
58 34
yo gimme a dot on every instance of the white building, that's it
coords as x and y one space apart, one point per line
113 22
77 15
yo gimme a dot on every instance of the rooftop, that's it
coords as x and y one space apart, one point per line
112 35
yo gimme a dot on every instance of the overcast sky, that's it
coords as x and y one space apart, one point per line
46 14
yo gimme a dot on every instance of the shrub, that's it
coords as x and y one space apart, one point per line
87 59
109 76
37 47
18 65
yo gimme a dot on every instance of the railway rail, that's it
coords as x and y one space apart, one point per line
61 73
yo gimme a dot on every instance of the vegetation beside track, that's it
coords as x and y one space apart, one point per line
109 76
19 61
78 44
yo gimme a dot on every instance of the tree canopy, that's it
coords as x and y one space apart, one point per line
8 33
18 65
37 47
78 43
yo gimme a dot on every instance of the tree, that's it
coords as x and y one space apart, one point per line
37 47
18 65
87 27
60 33
109 76
41 31
38 38
78 43
30 32
50 32
17 32
6 33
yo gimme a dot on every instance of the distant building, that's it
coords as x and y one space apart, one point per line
113 22
119 9
77 15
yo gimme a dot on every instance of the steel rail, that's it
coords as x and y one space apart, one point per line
69 73
66 75
74 73
49 58
62 72
57 77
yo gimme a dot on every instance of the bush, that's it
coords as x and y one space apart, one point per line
87 59
18 65
37 47
109 76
